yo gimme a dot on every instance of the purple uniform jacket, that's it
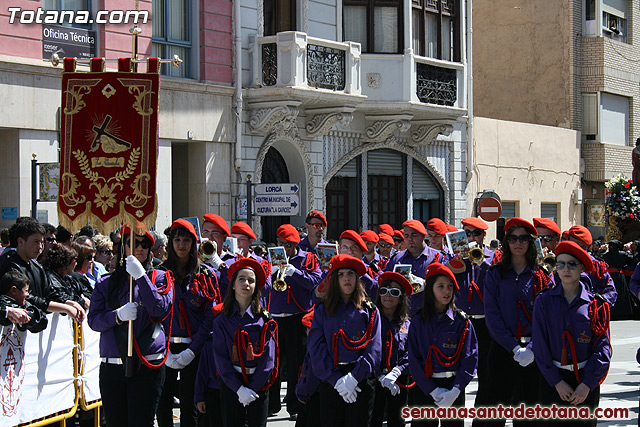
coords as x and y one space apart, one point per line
224 329
308 382
443 332
604 286
501 304
419 266
369 283
306 246
488 254
467 297
151 305
397 333
634 283
551 317
206 376
354 322
229 259
196 306
300 286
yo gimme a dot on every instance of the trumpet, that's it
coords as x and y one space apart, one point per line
476 255
415 286
550 260
206 250
280 285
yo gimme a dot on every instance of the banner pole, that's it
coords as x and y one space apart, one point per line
129 366
34 186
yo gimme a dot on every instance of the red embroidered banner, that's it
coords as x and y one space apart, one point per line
109 147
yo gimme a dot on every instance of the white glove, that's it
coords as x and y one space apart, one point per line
351 397
215 261
448 397
389 380
343 387
172 360
127 312
134 268
350 383
437 393
290 270
416 279
394 389
524 356
246 395
185 357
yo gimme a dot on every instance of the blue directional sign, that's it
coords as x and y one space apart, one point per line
277 199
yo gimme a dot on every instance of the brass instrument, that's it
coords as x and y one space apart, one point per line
476 255
206 250
415 286
280 285
550 260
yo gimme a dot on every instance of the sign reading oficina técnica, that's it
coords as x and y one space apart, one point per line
277 199
68 41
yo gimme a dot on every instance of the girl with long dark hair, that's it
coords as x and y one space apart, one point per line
443 350
511 287
196 290
345 342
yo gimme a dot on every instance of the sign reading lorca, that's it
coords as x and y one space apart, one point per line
277 199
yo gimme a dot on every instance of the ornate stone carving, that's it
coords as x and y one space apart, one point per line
427 133
380 130
321 124
262 120
373 80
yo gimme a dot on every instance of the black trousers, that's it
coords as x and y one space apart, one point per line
418 398
292 342
334 411
130 402
484 344
188 411
393 404
510 384
309 413
236 415
548 395
213 417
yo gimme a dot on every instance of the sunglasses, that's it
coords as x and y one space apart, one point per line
571 265
547 238
397 241
477 232
525 238
145 244
394 292
107 252
316 225
384 245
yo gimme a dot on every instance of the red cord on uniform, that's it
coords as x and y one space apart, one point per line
450 360
388 349
350 344
473 286
241 339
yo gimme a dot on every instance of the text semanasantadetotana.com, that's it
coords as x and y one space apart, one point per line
521 412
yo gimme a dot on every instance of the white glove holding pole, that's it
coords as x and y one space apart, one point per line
134 268
185 357
172 360
127 312
448 397
290 269
246 395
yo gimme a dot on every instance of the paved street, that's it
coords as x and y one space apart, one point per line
620 389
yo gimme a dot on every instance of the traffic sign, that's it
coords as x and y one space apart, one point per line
489 209
280 199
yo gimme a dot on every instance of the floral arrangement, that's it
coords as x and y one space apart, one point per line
621 199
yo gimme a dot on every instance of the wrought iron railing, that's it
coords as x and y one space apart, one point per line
436 85
269 64
325 67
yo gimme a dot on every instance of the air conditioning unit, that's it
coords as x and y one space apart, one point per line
577 196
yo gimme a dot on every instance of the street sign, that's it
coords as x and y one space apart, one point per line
489 209
277 199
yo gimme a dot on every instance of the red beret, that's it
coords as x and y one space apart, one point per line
386 238
547 223
416 225
451 227
399 234
249 263
519 222
398 278
219 221
183 223
565 234
126 230
347 261
307 319
352 235
435 269
581 233
385 228
243 228
316 214
573 249
475 222
288 233
370 236
437 226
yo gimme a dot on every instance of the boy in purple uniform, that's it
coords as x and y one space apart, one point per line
245 346
131 401
571 335
392 373
443 351
315 224
302 276
307 387
346 346
419 255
